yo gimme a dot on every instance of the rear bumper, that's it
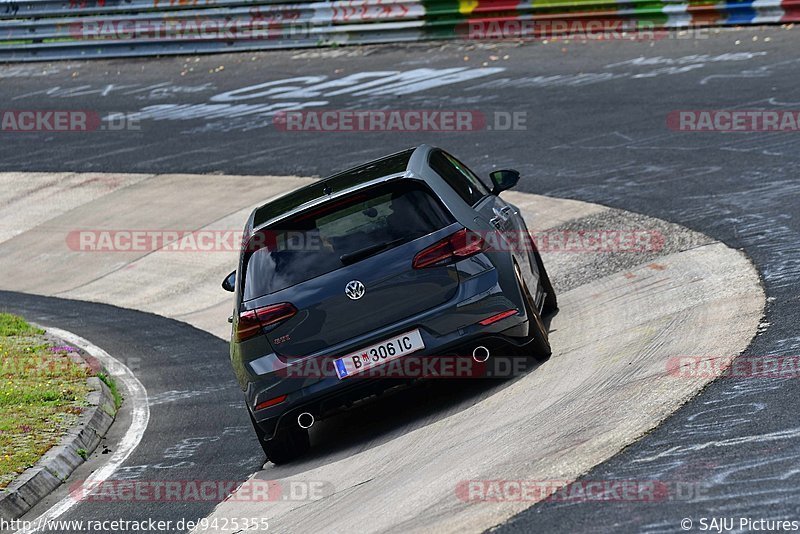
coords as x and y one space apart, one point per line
452 328
323 396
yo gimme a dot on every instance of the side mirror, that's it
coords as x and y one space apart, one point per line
503 179
229 284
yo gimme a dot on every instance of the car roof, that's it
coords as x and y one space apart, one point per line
348 179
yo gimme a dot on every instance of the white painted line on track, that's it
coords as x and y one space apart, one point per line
140 416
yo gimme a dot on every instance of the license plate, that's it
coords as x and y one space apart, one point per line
377 354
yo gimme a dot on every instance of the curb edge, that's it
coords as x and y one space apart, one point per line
57 464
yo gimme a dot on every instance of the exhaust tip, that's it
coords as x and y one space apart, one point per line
480 354
305 420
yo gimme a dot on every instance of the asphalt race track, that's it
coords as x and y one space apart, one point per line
608 383
595 129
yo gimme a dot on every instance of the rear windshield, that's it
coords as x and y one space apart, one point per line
338 233
339 182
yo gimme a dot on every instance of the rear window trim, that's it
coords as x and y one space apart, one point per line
323 200
311 205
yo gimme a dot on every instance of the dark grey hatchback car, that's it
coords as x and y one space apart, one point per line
337 282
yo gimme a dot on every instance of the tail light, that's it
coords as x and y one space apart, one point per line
252 321
497 317
271 402
461 244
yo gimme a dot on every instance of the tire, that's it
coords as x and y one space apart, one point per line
538 347
287 444
550 300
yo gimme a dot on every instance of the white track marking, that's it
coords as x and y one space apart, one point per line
789 433
139 419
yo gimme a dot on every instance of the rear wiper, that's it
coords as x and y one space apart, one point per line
366 252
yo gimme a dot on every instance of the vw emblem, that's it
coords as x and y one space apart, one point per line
354 289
